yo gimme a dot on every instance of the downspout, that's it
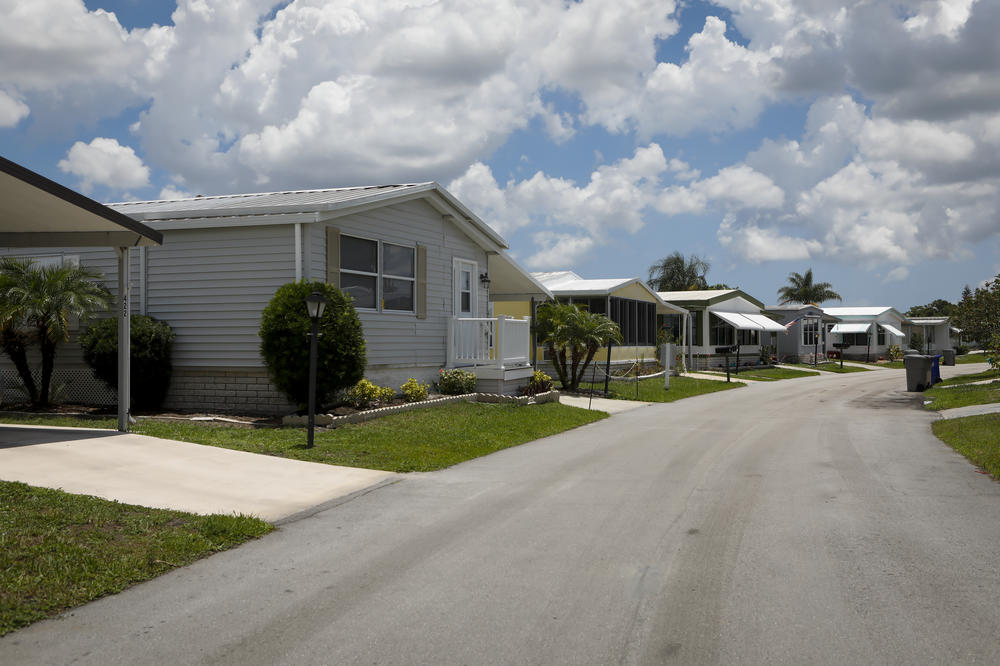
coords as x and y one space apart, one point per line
298 251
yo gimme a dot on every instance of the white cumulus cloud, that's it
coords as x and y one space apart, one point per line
105 162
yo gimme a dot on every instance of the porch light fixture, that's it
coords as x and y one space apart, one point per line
484 279
315 305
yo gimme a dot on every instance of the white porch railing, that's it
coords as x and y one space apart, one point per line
500 342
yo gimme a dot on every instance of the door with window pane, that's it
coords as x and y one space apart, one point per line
465 288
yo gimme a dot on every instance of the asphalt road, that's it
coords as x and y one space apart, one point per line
803 521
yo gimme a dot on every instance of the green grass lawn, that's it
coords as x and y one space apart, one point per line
975 437
962 393
420 440
767 374
651 390
829 367
971 358
59 550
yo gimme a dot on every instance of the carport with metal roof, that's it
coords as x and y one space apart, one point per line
36 212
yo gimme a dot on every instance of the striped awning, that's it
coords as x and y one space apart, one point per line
766 323
851 328
739 321
892 329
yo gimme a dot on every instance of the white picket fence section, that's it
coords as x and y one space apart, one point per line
499 342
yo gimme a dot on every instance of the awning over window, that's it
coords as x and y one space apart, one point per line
766 323
738 321
892 329
851 328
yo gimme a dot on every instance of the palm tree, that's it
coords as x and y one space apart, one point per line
572 337
675 273
36 304
801 289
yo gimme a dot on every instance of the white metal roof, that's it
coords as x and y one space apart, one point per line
694 295
287 201
857 311
927 321
332 201
568 283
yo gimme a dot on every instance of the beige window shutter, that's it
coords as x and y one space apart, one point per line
333 256
421 282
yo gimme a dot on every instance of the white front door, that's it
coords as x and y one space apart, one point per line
465 288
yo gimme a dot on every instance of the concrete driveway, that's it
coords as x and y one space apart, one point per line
163 473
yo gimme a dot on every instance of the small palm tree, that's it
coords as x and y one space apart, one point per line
572 337
36 304
801 289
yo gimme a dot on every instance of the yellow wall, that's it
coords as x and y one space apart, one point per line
617 354
519 309
634 291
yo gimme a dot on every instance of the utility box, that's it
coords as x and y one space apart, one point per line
918 371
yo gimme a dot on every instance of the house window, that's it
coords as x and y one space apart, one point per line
881 335
636 319
398 277
747 337
857 339
810 332
720 333
929 334
386 285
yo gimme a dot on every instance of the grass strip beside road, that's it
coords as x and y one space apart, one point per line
651 390
416 441
961 395
975 437
59 550
766 374
971 358
829 367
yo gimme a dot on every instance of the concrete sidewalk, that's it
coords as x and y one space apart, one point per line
137 469
601 404
971 410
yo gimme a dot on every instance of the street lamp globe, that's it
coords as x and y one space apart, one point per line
315 304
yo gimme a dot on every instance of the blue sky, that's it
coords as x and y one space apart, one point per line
861 140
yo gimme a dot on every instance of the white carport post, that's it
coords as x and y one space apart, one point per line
124 341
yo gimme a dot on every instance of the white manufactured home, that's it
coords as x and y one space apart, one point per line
805 338
723 318
421 267
869 331
936 332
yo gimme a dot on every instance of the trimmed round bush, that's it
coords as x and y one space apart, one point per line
284 343
150 364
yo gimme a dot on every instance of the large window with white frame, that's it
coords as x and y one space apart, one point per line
378 275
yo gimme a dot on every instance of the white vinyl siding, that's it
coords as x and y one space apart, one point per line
406 340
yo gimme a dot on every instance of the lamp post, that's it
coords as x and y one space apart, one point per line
315 304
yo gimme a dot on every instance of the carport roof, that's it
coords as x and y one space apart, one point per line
38 212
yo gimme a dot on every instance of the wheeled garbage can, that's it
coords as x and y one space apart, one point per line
935 369
949 356
918 372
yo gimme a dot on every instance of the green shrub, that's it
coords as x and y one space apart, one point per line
917 341
151 343
961 350
456 382
894 353
539 383
284 343
413 390
366 394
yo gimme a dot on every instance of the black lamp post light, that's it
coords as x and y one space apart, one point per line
315 304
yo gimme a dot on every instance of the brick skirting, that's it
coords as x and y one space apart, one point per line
238 391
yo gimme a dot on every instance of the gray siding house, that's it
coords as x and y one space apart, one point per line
421 267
